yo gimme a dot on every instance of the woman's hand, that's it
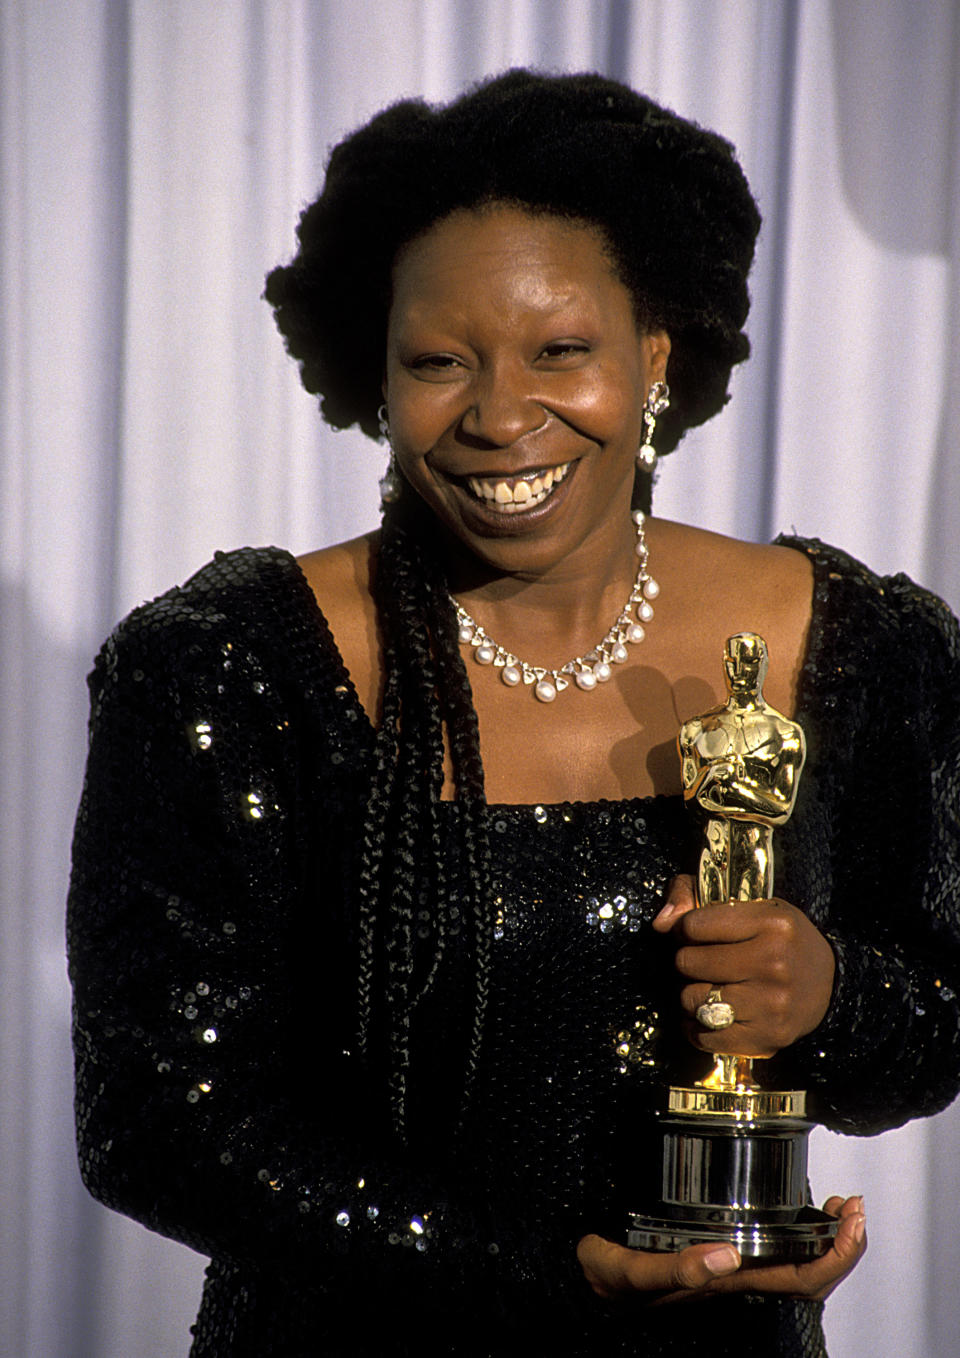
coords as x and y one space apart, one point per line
772 965
700 1270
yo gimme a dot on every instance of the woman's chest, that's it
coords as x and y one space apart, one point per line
614 743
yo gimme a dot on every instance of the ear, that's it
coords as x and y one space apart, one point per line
657 351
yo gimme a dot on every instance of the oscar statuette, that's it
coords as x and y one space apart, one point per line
734 1153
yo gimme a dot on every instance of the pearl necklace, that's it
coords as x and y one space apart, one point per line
586 671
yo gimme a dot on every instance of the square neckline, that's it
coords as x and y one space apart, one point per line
814 643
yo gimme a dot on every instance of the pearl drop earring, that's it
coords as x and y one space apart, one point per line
658 400
391 486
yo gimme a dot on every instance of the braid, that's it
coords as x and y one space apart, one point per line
372 840
421 764
468 772
426 689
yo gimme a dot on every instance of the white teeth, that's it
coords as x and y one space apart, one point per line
511 498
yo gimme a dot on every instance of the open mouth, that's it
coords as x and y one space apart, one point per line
516 494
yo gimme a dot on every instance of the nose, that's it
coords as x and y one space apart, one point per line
503 406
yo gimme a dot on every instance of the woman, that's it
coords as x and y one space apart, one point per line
382 956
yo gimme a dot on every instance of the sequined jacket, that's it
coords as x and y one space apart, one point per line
211 946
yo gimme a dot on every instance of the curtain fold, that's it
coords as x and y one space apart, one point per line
154 156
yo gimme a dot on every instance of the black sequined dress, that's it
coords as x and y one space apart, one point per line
211 946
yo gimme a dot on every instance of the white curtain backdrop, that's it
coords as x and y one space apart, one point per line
154 155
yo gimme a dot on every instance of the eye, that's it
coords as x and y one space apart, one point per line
434 363
562 349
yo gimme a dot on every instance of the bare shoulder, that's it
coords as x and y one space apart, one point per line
341 573
720 585
768 575
341 579
779 579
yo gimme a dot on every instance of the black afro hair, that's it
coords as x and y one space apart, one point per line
670 199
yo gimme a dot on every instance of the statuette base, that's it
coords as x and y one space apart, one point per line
808 1235
738 1178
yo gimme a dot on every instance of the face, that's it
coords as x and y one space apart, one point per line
515 382
746 663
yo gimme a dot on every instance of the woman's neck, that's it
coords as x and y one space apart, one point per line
552 615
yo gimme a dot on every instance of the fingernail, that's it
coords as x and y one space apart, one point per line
724 1260
860 1225
667 912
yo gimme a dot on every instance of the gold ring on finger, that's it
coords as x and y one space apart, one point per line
715 1013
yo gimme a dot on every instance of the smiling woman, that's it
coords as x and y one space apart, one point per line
515 377
382 964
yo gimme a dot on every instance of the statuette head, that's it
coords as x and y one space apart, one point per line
745 662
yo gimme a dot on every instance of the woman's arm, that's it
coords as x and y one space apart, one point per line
204 1109
188 866
889 1046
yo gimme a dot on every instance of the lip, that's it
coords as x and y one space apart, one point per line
503 492
508 523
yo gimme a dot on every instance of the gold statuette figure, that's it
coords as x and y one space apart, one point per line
741 763
735 1154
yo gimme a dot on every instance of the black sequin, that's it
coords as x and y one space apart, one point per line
213 953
